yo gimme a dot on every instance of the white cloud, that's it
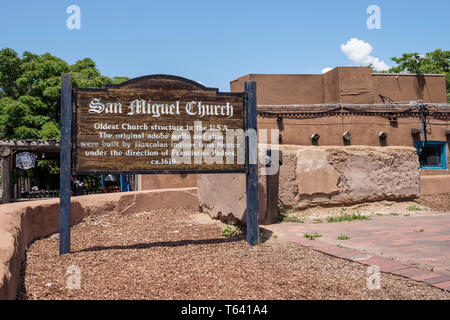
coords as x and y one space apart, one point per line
359 52
325 70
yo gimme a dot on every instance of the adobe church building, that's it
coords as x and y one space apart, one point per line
346 136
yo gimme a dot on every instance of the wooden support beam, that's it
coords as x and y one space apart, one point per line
65 163
6 182
252 174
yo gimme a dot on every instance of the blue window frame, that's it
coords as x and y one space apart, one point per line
432 154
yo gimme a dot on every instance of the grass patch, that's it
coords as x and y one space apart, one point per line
317 220
312 236
230 231
415 263
286 215
421 230
394 214
343 237
347 217
414 208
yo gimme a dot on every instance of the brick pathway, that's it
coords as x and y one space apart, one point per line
417 247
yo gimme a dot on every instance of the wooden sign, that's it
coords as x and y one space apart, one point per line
158 124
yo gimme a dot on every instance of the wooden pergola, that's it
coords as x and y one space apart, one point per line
8 149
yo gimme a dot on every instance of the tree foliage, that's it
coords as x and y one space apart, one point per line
437 61
30 92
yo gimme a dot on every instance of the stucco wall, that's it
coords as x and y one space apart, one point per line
405 88
22 222
164 181
342 85
288 88
222 196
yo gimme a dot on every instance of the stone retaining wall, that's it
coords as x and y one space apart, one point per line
315 175
347 175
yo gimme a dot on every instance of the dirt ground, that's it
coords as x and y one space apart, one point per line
426 203
181 254
437 202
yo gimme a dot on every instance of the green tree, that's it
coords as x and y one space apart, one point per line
437 61
30 89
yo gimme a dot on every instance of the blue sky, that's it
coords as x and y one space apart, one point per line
215 41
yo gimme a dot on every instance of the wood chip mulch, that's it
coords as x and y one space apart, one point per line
180 254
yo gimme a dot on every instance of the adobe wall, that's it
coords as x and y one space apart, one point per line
320 176
405 88
432 183
164 181
364 131
222 196
355 85
283 88
22 222
343 85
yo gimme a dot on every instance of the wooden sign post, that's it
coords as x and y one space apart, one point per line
156 124
252 174
65 163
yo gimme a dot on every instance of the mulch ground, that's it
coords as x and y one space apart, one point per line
174 254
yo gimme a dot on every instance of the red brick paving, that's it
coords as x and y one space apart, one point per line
443 285
437 279
415 272
394 243
424 276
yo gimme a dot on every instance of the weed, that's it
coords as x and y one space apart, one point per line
394 214
343 237
285 214
347 217
230 231
312 236
414 208
421 230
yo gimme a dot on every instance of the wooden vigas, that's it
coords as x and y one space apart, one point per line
135 126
